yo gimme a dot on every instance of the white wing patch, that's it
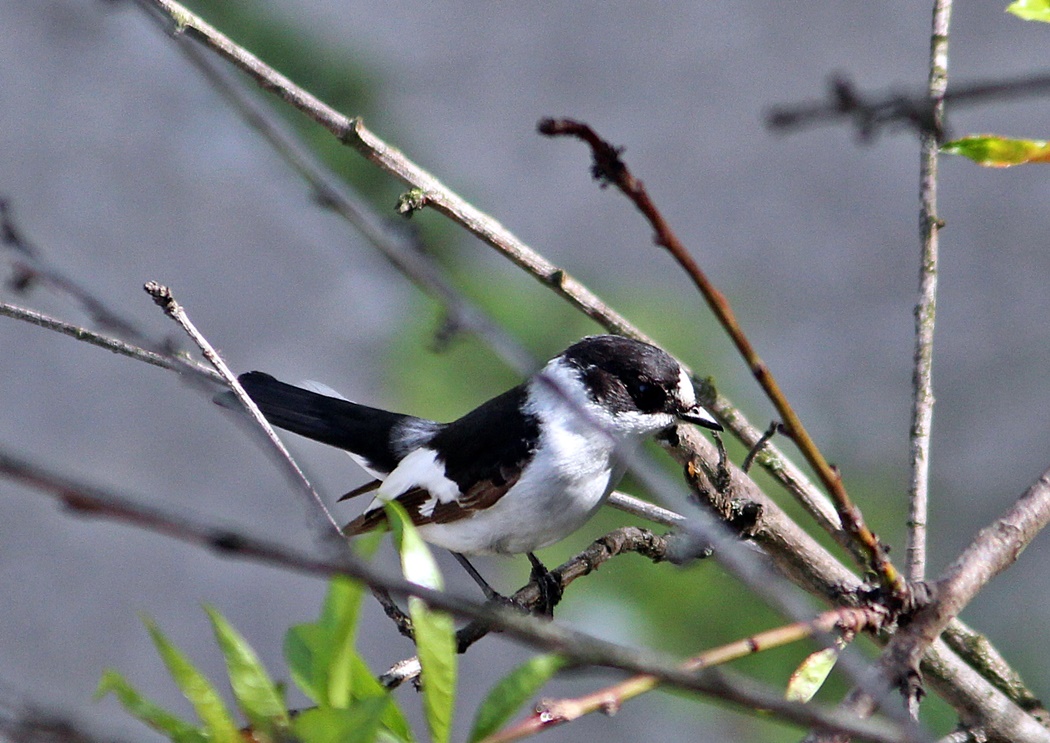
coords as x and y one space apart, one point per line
420 469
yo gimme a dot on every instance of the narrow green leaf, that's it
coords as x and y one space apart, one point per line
319 653
811 675
358 723
198 690
256 694
149 712
417 563
993 151
1030 10
511 692
435 631
367 686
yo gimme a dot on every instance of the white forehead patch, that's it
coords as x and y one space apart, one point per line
420 469
685 390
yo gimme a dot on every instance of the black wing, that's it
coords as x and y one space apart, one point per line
484 453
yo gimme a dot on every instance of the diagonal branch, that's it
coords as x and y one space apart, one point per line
995 548
166 300
609 168
552 713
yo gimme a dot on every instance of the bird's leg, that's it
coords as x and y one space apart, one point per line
488 590
548 584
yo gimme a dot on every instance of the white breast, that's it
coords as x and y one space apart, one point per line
573 470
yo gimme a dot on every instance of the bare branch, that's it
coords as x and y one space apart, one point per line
102 341
983 656
926 308
993 550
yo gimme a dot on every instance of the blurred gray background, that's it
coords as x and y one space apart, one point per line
122 165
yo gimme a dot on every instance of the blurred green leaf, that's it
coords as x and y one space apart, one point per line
811 675
198 690
256 694
435 631
150 713
511 692
325 664
319 653
1030 10
367 686
358 723
999 152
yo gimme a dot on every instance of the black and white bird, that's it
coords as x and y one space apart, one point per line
521 471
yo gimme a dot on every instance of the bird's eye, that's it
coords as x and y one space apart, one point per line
647 396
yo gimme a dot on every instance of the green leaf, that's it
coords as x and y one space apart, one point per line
811 675
319 654
198 690
325 664
435 631
367 686
256 694
509 694
149 712
1030 10
999 152
358 723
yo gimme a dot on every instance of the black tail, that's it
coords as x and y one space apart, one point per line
370 433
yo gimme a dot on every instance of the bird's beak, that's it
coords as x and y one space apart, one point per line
697 415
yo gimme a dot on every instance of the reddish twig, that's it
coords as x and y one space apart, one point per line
551 713
609 168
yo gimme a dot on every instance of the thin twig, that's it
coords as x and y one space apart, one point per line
926 308
551 713
102 341
873 113
163 297
644 509
609 168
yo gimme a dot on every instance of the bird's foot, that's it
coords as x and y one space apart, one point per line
549 586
